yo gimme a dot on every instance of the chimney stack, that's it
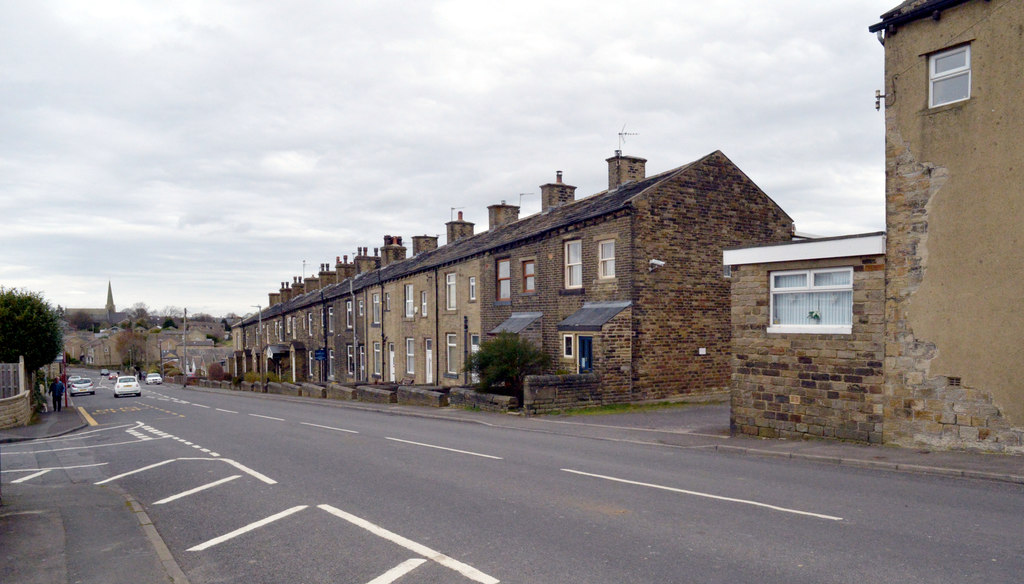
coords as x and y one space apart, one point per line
622 169
345 269
422 243
498 215
298 286
393 250
273 298
286 292
365 262
459 229
556 194
327 276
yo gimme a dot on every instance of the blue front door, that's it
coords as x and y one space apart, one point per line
585 354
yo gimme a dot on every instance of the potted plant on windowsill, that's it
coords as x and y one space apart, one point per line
815 316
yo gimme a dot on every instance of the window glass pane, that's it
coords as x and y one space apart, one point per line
950 61
813 308
573 252
575 275
528 268
791 281
503 269
951 89
505 289
607 250
832 278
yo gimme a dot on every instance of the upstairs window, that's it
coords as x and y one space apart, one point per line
949 74
376 307
410 301
449 289
330 317
812 301
573 264
606 259
349 319
423 303
504 283
529 277
472 288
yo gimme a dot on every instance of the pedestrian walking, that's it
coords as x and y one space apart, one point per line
57 391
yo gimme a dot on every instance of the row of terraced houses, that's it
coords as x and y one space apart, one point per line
692 281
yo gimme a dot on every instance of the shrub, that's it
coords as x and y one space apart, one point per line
502 364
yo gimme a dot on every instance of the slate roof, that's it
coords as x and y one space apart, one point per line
593 315
597 205
912 10
517 322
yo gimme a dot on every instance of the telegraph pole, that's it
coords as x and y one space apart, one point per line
184 347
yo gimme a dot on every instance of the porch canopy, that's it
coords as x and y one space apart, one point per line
517 322
593 315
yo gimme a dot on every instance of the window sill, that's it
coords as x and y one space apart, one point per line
571 292
503 303
450 375
810 329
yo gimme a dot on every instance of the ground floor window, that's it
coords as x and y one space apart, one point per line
812 301
451 356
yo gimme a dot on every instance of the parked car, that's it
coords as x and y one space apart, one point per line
112 376
127 385
72 379
104 372
154 379
82 385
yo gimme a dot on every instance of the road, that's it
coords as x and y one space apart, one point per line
248 489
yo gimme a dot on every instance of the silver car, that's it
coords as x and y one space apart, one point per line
82 385
127 385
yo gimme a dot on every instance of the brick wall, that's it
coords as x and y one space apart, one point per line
684 305
795 385
548 393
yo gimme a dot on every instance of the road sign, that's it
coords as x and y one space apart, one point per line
320 355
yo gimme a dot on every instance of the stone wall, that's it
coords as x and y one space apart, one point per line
467 397
16 411
794 385
548 393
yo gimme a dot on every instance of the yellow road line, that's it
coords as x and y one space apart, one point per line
88 418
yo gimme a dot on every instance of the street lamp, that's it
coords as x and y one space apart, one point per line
259 339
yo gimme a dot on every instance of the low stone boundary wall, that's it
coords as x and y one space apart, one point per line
16 411
340 392
422 396
548 393
468 397
382 394
284 389
312 390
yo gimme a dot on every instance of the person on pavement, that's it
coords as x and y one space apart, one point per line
57 391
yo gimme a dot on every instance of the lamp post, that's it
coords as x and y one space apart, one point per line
259 339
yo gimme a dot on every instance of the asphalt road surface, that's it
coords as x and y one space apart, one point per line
246 489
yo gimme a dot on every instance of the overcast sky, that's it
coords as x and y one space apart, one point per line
194 153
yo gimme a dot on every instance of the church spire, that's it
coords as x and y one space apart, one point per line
110 300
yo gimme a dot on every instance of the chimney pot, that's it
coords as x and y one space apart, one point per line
558 176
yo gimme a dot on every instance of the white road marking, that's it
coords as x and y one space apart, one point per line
267 417
131 472
706 495
443 448
225 411
329 428
197 490
54 467
246 529
239 466
420 549
84 447
31 476
398 571
201 406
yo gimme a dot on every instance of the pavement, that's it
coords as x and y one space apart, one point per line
64 534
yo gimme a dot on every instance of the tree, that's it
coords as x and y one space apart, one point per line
132 346
80 320
138 311
29 327
169 323
504 362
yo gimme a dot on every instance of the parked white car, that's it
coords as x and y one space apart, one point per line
127 385
154 379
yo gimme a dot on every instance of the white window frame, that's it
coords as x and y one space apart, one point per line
360 303
309 322
450 290
472 288
377 363
935 77
387 302
573 268
605 264
451 341
330 319
410 355
423 303
351 363
410 301
568 344
330 365
817 329
376 307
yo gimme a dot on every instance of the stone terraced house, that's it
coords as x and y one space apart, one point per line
626 284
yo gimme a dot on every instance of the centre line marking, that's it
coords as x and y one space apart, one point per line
267 417
196 490
201 406
417 548
443 448
225 411
246 529
706 495
329 428
398 571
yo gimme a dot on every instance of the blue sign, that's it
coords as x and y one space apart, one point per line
320 355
